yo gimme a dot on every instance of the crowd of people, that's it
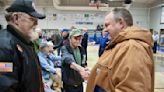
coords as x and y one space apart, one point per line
31 65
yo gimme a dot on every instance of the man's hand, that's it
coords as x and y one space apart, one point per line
85 72
46 85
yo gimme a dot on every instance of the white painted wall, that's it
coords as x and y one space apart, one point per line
2 18
65 19
155 16
140 17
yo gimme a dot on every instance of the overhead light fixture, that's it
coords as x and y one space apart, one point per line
128 1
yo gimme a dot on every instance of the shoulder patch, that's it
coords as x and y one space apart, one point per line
6 67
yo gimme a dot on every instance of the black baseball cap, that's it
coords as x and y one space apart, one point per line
26 7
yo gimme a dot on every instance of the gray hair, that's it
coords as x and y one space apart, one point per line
124 13
43 45
8 16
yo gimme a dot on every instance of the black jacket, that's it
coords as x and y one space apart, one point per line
70 76
64 41
26 74
84 42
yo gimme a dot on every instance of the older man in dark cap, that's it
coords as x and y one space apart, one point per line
19 66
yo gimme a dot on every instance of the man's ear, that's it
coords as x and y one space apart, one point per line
122 22
15 18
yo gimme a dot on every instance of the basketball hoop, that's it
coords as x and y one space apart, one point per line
98 4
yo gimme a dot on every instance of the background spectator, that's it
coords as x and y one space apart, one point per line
84 42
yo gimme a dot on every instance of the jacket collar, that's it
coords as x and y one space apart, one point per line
42 54
13 31
132 32
69 48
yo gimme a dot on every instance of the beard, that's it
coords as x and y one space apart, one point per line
33 35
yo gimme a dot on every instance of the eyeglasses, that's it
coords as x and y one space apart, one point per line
77 38
34 20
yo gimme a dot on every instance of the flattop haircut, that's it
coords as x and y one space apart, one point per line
122 13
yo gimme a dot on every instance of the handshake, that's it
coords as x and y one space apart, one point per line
85 72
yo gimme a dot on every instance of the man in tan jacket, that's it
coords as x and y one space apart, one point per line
127 63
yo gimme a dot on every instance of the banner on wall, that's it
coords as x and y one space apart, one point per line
84 23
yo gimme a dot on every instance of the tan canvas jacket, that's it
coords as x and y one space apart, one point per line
126 65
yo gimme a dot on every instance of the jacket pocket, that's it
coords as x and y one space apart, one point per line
103 79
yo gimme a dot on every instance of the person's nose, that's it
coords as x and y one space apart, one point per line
105 30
